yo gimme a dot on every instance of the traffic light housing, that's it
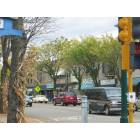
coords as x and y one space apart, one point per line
136 28
125 37
125 29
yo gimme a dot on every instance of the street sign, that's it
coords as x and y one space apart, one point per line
135 55
107 82
37 89
6 27
131 97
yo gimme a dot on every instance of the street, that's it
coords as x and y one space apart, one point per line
69 114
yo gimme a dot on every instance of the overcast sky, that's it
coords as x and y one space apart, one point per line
74 27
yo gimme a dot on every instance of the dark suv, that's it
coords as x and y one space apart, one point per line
65 99
104 99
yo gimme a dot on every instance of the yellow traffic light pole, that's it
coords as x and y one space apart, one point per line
130 89
125 35
130 82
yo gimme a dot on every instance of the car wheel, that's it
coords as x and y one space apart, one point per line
74 104
107 110
54 103
89 112
30 105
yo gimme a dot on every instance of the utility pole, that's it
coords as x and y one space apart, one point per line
129 31
130 89
134 61
130 72
125 38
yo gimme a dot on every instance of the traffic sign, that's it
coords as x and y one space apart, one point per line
37 89
131 97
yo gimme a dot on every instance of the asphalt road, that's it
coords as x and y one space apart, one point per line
69 114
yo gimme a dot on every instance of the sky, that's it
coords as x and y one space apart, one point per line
75 27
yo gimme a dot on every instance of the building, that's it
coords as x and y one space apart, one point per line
66 81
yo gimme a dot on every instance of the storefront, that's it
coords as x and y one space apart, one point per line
47 90
87 84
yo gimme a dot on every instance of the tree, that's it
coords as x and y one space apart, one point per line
72 61
34 27
90 51
6 47
50 58
111 55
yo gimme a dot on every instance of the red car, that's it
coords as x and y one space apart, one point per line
65 98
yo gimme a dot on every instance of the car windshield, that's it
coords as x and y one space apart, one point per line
113 92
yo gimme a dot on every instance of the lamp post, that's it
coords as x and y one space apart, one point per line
125 32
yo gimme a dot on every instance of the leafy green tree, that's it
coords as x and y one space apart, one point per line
72 61
90 51
111 55
50 58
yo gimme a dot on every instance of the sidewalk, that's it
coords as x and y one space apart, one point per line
3 119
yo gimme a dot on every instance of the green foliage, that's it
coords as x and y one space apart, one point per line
111 54
80 57
50 57
90 53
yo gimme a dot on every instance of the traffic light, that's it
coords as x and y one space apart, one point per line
136 27
125 29
125 37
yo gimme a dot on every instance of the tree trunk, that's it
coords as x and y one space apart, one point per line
3 97
4 77
94 78
79 84
13 102
15 94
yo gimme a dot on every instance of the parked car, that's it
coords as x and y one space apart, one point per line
28 101
65 98
40 99
79 101
104 99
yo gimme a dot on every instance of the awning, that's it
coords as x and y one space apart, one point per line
87 84
47 86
